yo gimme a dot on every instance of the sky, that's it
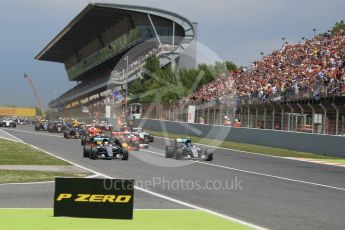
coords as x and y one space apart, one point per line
235 30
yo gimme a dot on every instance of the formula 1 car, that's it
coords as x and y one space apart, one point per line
8 123
56 127
104 125
41 125
144 135
182 148
104 148
73 132
89 133
134 141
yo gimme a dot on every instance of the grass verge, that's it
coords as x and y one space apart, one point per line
13 153
23 176
251 148
39 219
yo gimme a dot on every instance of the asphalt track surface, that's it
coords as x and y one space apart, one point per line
267 191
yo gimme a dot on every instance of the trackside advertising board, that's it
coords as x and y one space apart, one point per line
94 198
20 112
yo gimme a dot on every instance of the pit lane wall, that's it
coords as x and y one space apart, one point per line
312 143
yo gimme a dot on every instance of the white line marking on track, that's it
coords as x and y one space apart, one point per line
36 133
8 139
15 138
43 182
29 183
259 174
159 195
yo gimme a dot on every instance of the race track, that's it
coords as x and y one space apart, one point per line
267 191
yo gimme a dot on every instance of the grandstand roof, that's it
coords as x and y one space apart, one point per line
95 19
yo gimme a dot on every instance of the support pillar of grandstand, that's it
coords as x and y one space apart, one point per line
256 116
265 116
248 111
241 112
208 115
282 117
169 114
336 118
313 115
126 84
273 115
289 117
155 31
220 115
324 118
302 112
214 115
342 125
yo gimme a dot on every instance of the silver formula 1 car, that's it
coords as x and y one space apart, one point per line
183 149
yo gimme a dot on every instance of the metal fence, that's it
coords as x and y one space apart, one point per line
323 117
310 118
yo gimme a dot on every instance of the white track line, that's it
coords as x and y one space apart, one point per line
15 138
36 133
29 183
257 173
160 195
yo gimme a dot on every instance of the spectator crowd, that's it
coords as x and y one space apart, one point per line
311 69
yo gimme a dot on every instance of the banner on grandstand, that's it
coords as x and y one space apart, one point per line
17 112
94 198
191 114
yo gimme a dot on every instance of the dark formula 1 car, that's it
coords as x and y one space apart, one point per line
8 123
104 148
41 125
73 132
56 127
183 148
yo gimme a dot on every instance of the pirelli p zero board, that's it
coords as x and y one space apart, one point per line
94 198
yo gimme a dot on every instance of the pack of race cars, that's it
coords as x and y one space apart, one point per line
99 140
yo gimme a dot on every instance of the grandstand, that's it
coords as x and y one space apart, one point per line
300 87
100 38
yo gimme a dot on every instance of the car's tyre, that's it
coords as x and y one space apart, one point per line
136 144
125 155
169 152
86 151
178 154
83 141
209 157
93 153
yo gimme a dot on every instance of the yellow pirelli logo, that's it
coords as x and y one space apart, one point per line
98 198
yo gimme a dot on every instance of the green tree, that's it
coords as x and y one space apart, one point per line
163 85
231 66
338 26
